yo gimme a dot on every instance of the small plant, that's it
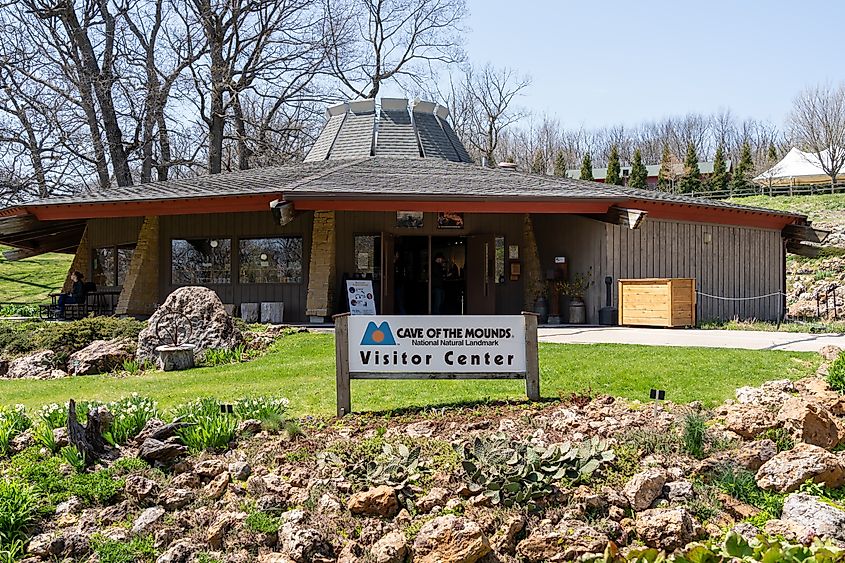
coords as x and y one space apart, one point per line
270 411
43 435
293 430
740 484
136 550
54 415
131 414
262 522
781 437
134 367
513 473
13 421
695 430
836 374
18 510
223 356
209 428
73 458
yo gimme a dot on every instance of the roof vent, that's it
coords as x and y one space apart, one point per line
509 166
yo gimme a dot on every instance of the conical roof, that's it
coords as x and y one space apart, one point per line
398 129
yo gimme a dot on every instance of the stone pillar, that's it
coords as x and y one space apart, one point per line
321 270
532 272
80 261
139 295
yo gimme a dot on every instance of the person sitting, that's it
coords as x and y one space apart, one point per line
76 294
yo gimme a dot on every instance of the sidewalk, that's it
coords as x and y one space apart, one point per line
749 340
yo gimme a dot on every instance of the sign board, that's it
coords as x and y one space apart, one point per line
437 344
360 295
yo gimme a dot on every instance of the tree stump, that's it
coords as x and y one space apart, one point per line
175 358
88 439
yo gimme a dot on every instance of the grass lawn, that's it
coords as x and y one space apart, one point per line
301 367
31 280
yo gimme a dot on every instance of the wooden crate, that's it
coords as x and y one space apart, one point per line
667 302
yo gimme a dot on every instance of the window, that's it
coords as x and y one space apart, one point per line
201 261
271 260
110 265
368 256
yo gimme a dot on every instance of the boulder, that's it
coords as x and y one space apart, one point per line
217 487
678 491
824 519
809 422
770 394
667 528
391 548
46 546
211 326
140 488
450 539
178 552
147 519
153 451
568 541
300 543
830 353
379 501
789 469
644 487
752 455
749 420
437 496
172 498
38 365
210 468
101 356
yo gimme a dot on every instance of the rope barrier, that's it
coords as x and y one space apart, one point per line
777 293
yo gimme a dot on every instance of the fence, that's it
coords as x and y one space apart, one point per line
774 191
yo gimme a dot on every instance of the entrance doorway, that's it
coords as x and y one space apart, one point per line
429 275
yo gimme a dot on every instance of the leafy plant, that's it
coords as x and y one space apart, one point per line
695 430
515 473
223 356
210 429
740 484
43 435
136 550
18 510
131 414
261 522
270 411
73 457
54 415
781 437
18 310
13 421
836 374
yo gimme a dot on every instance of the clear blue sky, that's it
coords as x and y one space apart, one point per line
603 62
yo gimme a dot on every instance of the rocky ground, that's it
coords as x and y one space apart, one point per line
492 483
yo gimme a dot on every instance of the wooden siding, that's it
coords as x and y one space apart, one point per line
737 262
110 232
351 223
235 226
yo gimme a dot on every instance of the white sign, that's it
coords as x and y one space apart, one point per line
437 344
360 296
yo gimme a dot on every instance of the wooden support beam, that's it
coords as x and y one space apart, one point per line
804 233
623 216
802 249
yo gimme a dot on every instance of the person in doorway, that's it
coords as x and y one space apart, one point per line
439 273
75 295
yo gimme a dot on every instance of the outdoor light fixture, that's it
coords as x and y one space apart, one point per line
708 238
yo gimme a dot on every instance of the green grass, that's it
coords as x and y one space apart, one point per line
812 205
819 327
32 280
301 367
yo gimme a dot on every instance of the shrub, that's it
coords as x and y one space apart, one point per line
13 421
210 429
136 550
270 411
262 522
130 416
67 338
695 430
513 473
18 310
18 510
836 374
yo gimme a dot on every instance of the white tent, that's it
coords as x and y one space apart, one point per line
797 167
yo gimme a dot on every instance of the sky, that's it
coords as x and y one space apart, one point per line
597 63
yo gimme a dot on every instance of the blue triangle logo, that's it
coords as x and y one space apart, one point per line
378 335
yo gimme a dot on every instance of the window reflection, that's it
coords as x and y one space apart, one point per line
271 260
201 261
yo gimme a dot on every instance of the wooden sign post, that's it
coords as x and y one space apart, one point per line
435 347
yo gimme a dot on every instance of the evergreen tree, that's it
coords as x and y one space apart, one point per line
741 181
538 163
560 164
614 170
639 174
772 155
664 176
719 179
587 168
691 180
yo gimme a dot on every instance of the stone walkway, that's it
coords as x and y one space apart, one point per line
749 340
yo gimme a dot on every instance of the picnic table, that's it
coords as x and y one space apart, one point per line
100 302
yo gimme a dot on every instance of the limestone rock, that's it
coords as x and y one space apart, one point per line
172 499
789 469
824 519
38 365
770 394
379 501
210 468
240 470
749 420
153 450
147 519
830 353
140 488
678 491
46 546
101 356
179 552
752 455
504 541
302 544
217 487
450 539
566 542
810 422
437 496
667 528
392 548
644 487
212 327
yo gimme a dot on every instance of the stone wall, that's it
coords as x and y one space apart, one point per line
321 270
80 261
140 288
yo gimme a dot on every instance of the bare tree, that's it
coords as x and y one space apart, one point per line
370 42
818 125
